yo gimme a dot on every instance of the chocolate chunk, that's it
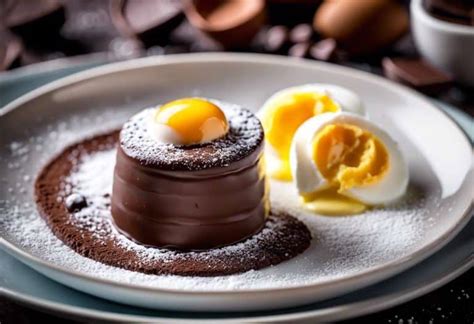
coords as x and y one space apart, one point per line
150 20
276 39
417 74
10 50
75 202
29 19
301 33
299 50
324 50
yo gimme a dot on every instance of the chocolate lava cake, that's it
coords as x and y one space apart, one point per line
191 197
193 210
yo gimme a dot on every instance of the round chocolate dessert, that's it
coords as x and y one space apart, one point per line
73 194
189 175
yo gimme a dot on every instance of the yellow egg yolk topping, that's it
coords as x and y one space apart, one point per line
281 121
195 120
347 157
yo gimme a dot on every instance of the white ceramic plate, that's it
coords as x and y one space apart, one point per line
347 253
25 285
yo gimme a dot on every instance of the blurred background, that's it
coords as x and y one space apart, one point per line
425 44
371 35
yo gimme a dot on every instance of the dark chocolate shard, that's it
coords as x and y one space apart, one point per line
75 202
416 73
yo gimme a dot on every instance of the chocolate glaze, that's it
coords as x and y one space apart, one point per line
210 206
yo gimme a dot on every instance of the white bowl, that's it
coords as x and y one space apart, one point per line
446 45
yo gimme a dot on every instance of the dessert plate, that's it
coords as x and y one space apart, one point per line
347 253
25 285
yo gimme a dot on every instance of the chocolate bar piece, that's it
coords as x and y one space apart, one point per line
416 73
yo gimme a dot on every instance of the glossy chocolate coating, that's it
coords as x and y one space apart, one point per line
210 206
417 73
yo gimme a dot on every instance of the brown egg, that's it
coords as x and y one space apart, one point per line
362 26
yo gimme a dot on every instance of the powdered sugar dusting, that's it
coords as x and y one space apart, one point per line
90 183
342 246
244 136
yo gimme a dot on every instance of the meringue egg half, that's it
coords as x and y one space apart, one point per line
342 164
284 112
